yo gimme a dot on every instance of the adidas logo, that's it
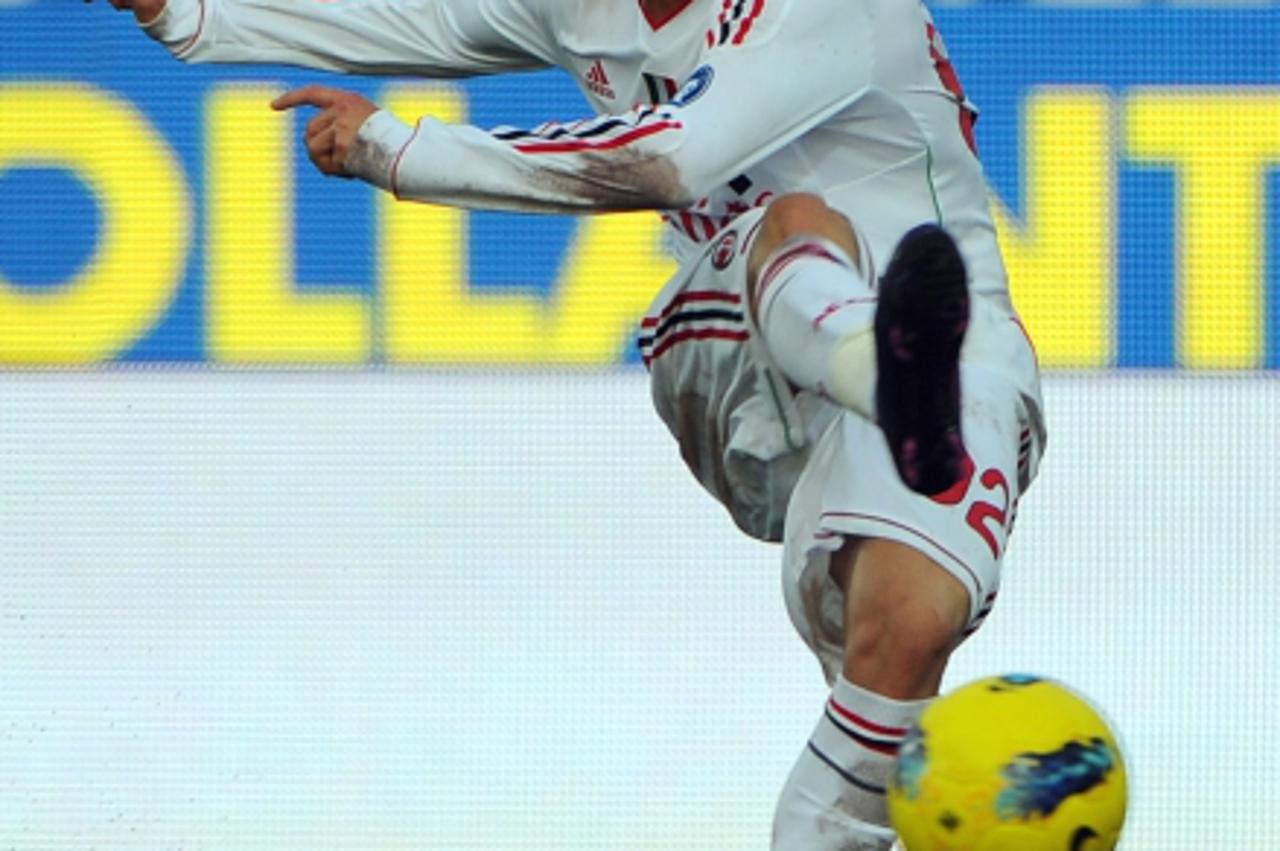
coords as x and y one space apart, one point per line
598 81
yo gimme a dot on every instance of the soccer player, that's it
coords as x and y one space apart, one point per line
837 356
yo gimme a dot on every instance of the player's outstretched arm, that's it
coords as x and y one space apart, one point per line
431 38
754 94
351 137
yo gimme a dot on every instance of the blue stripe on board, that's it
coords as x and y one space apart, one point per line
1145 291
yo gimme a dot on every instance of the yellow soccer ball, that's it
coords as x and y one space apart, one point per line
1013 763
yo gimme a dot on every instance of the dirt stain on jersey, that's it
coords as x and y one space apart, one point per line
622 180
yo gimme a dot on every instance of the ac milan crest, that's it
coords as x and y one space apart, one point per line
722 253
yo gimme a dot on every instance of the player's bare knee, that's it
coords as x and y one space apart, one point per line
794 215
796 211
865 640
913 636
923 634
802 213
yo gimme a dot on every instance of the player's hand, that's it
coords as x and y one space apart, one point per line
330 134
145 11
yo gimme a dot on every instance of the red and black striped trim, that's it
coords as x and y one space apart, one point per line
735 21
866 724
1024 451
671 341
605 144
601 134
692 315
687 297
866 733
583 129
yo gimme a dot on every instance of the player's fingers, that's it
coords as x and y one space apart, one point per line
312 95
341 147
320 145
321 122
320 148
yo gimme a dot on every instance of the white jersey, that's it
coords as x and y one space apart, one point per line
704 116
713 111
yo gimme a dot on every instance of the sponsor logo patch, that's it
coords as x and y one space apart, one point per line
695 87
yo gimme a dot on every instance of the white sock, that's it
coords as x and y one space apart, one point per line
816 313
834 799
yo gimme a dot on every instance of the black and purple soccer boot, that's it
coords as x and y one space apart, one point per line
921 320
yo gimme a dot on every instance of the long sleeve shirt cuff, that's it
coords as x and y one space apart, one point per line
374 155
178 25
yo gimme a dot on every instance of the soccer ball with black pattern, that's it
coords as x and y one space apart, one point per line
1013 763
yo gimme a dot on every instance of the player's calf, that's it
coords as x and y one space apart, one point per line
904 615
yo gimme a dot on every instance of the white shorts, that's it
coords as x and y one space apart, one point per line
850 488
800 469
